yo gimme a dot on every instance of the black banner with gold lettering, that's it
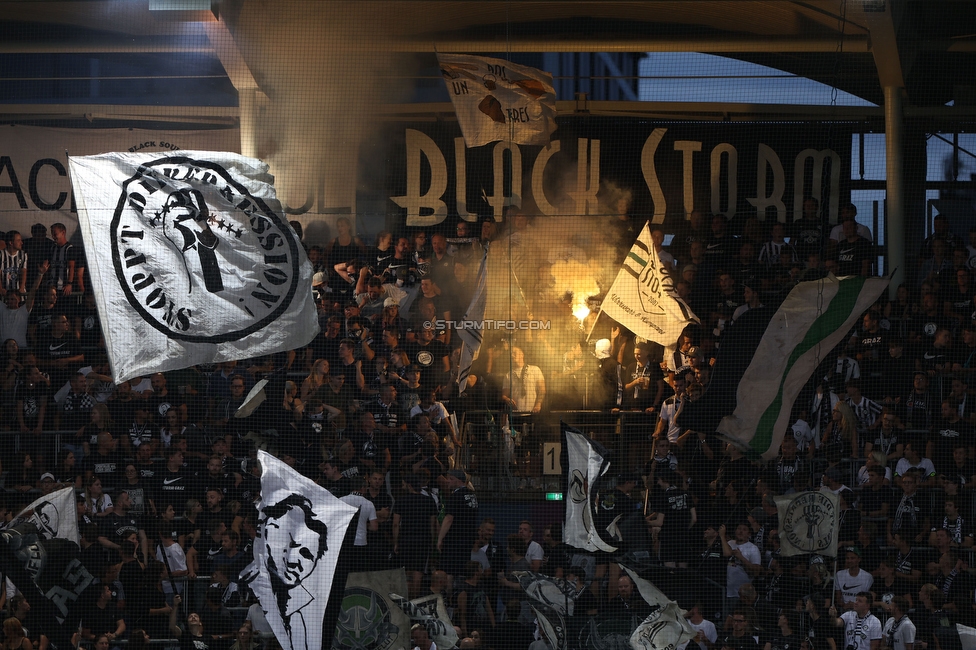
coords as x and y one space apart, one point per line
671 168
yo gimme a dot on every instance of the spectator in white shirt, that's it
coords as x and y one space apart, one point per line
851 580
534 553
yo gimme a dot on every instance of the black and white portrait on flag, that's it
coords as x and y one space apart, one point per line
301 531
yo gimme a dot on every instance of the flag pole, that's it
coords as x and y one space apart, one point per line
833 592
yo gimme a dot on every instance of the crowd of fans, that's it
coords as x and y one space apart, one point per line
166 479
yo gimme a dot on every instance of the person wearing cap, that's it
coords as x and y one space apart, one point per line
851 580
604 392
750 296
47 483
321 291
459 527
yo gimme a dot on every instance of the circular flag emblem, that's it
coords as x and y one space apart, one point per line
199 256
365 622
808 522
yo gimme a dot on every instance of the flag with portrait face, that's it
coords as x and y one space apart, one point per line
298 573
191 260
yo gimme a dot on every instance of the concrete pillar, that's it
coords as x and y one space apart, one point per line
895 213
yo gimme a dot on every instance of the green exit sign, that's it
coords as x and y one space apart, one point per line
554 496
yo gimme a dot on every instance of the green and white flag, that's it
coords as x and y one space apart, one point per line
643 299
813 319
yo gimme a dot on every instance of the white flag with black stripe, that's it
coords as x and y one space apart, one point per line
191 260
643 298
296 574
470 332
586 463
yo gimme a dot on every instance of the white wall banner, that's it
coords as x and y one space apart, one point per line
34 183
195 262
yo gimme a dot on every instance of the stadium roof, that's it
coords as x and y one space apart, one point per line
66 57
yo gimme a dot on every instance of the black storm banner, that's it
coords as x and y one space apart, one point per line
665 169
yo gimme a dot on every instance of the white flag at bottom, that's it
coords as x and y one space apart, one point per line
666 626
301 530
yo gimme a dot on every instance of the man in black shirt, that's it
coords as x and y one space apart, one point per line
460 525
59 354
200 556
673 512
120 525
854 253
104 462
172 484
431 356
741 637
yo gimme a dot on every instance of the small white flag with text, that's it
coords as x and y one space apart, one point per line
499 100
643 299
